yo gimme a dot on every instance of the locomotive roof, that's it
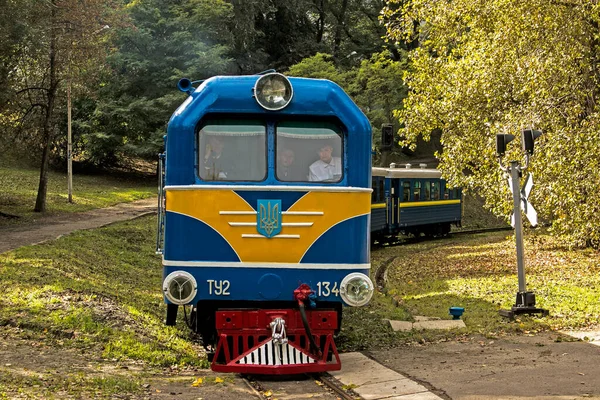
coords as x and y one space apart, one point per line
311 97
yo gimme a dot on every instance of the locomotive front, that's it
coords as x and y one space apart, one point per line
264 223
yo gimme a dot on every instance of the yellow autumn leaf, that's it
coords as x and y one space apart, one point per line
218 380
197 382
268 393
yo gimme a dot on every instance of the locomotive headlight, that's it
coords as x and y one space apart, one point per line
356 289
273 91
180 287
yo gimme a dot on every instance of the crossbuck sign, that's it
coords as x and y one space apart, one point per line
526 207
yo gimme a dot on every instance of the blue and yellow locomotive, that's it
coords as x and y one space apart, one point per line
264 214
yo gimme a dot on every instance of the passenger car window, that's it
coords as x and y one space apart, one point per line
405 191
316 149
427 191
232 150
417 191
435 190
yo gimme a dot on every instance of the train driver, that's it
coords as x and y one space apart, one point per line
215 166
327 168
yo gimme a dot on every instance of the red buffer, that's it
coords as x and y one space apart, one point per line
275 342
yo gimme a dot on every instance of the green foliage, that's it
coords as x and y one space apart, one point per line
379 89
167 41
487 67
319 66
280 33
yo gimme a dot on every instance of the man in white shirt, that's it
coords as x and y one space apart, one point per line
327 168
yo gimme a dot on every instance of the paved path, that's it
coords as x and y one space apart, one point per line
53 227
373 381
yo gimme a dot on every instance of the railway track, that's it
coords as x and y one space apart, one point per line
321 386
404 240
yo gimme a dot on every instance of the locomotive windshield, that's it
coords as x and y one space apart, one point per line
232 150
309 152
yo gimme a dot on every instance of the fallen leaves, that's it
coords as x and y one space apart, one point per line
198 382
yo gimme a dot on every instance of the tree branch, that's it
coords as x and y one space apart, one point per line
30 88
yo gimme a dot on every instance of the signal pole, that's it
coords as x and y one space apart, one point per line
525 301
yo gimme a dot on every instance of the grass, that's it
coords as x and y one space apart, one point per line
96 292
478 272
20 184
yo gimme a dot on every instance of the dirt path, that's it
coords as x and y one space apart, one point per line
50 228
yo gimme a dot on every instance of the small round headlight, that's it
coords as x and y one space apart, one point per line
273 91
356 289
180 287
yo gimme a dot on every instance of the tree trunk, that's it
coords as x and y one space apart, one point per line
320 20
40 202
341 20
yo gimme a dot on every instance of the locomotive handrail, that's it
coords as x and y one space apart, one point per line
160 228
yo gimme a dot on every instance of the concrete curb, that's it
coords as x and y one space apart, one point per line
424 323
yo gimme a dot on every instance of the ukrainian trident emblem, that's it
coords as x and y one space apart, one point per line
268 218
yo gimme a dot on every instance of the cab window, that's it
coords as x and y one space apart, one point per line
309 152
232 150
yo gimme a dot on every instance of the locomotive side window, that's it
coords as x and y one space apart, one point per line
427 190
406 191
232 150
309 152
417 191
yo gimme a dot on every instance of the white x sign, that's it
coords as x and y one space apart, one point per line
526 207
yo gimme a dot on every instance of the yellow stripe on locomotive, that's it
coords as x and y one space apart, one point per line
235 220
